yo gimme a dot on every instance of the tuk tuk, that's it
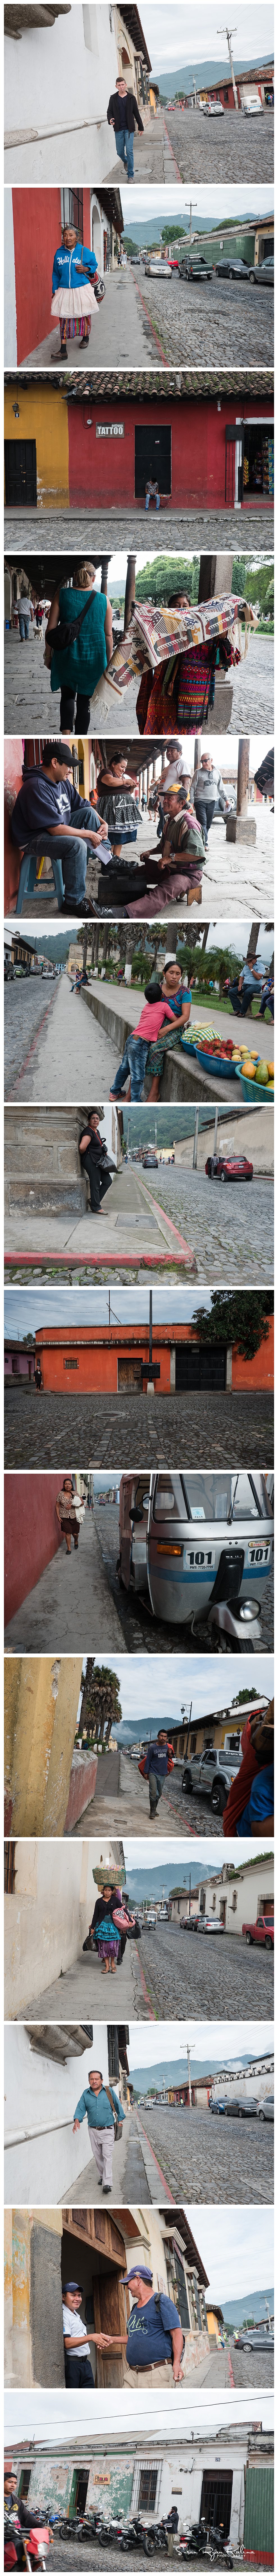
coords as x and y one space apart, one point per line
199 1547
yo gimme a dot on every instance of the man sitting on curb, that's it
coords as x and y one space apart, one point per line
154 2340
103 2110
156 1765
49 815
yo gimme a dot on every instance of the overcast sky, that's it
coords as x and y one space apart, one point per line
215 202
175 1856
221 933
176 36
50 2414
163 1683
238 2255
229 2044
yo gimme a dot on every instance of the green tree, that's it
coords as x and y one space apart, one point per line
174 232
242 1696
101 1703
236 1317
165 574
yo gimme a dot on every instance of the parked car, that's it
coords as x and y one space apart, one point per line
242 2109
252 107
195 1544
210 1775
151 1922
8 971
158 267
260 2336
209 1923
230 267
150 1160
217 2103
228 1167
265 2109
262 1931
263 275
195 269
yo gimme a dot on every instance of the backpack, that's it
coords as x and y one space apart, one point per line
157 2303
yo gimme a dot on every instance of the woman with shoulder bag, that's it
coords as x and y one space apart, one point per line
77 666
95 1160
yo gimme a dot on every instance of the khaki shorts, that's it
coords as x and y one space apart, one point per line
159 2376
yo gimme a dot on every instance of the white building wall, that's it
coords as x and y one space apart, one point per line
57 85
47 1918
37 2090
10 325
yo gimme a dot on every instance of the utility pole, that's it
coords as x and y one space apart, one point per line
195 1146
229 32
189 2078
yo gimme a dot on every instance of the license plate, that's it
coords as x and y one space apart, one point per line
258 1552
201 1558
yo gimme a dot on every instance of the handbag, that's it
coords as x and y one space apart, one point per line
121 1919
117 2123
65 634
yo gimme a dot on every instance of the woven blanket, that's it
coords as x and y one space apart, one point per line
158 634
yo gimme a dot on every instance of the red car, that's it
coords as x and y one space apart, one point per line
228 1167
263 1931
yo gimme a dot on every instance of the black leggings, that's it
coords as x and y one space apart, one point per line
99 1181
83 711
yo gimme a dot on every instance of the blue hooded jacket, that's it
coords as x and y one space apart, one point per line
65 271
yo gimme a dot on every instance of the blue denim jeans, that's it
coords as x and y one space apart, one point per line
133 1061
124 148
156 1785
148 498
24 629
73 854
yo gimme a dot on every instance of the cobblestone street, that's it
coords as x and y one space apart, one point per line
196 324
28 707
238 1432
210 2159
199 1973
212 1231
139 1629
225 148
188 527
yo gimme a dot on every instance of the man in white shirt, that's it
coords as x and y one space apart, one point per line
78 2366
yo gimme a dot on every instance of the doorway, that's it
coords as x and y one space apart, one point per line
130 1373
93 2250
79 2492
216 2501
152 459
200 1368
20 456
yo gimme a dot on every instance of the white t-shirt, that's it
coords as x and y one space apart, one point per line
73 2326
171 777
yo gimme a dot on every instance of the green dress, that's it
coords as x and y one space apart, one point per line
82 666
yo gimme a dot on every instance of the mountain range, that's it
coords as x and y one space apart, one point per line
236 2310
151 1882
174 2070
205 74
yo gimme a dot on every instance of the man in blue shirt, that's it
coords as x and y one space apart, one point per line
154 2340
101 2105
49 815
156 1767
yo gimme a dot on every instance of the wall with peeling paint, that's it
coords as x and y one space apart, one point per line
43 416
41 1703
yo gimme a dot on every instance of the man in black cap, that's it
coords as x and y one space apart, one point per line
153 2344
49 816
78 2366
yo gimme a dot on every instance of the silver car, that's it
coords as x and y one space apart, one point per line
266 2108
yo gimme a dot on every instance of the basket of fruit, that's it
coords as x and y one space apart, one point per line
256 1079
223 1058
198 1035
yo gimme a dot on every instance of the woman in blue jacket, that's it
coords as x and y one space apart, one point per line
74 278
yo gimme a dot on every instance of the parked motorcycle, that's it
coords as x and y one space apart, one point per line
193 2543
160 2535
219 2547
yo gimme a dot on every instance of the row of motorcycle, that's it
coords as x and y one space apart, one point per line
201 2541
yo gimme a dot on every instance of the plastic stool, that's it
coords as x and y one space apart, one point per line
27 881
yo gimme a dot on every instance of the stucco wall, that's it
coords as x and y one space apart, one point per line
41 1697
39 2091
47 1919
43 416
198 448
52 76
13 758
32 1534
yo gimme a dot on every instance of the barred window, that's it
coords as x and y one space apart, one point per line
25 2479
71 1364
147 2489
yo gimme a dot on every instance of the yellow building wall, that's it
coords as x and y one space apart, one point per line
213 2326
43 415
41 1696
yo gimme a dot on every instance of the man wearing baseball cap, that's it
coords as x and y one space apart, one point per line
153 2345
78 2366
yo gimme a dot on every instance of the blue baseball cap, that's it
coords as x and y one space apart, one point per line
71 2285
141 2269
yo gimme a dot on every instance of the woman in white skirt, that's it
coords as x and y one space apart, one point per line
74 279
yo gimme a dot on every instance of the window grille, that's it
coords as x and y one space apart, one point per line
113 2052
71 1364
25 2479
74 216
147 2489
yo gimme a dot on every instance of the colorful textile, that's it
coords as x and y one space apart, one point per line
75 327
158 636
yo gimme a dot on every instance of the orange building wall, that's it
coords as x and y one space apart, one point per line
13 758
259 1371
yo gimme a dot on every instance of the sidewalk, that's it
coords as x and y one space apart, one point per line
68 1055
154 158
71 1609
137 2176
129 1811
121 325
83 1991
130 1225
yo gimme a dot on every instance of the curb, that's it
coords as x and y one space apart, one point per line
151 2014
152 2160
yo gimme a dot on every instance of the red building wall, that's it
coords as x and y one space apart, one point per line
100 470
31 1534
258 1372
13 757
37 226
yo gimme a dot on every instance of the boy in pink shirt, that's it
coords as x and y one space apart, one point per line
134 1060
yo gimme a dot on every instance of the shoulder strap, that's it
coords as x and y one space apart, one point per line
110 2099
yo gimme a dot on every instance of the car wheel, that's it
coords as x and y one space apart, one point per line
187 1784
226 2114
269 1945
217 1801
249 1939
261 2115
240 2115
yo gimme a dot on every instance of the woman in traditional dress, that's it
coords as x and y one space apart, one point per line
116 805
74 279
